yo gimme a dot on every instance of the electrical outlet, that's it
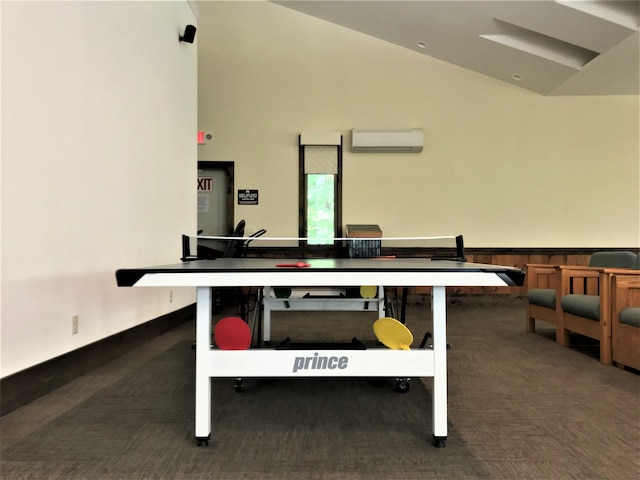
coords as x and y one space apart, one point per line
74 324
170 296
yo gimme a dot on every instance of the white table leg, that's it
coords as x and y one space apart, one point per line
382 312
439 306
266 318
203 382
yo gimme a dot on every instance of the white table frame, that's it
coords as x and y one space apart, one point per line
266 362
271 303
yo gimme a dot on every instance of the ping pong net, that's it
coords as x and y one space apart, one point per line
448 247
451 252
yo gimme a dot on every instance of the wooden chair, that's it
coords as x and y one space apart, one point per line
542 282
625 318
585 299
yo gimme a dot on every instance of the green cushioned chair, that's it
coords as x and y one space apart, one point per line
614 259
545 297
542 281
587 306
625 318
630 316
585 301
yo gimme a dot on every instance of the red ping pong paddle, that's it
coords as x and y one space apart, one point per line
297 264
232 333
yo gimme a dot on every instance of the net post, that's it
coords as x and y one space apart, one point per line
460 248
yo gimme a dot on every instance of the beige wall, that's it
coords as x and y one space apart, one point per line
503 166
98 154
98 168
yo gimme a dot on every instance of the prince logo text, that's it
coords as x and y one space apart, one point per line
319 363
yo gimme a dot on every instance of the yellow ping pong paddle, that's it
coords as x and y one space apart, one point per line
368 291
393 334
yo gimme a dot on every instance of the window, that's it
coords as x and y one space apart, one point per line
320 190
320 211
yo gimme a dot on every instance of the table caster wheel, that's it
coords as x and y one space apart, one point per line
402 385
202 441
238 385
439 442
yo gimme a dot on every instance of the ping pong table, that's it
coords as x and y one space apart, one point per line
270 362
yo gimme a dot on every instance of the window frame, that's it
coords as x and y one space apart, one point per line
302 203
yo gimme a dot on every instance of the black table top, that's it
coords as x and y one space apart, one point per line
130 276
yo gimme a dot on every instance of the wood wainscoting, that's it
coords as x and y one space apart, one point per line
515 258
511 257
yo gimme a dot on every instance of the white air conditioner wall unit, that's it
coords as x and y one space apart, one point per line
387 140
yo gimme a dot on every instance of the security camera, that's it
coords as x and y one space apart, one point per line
189 34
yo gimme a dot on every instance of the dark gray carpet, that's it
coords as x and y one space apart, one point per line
520 407
142 425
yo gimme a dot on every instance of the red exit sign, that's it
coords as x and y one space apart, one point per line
204 184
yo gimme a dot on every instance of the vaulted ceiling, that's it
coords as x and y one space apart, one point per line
551 47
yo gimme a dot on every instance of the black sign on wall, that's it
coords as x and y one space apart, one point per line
247 197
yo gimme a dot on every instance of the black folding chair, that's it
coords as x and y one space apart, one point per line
234 248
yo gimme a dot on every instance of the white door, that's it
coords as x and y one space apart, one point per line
212 205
